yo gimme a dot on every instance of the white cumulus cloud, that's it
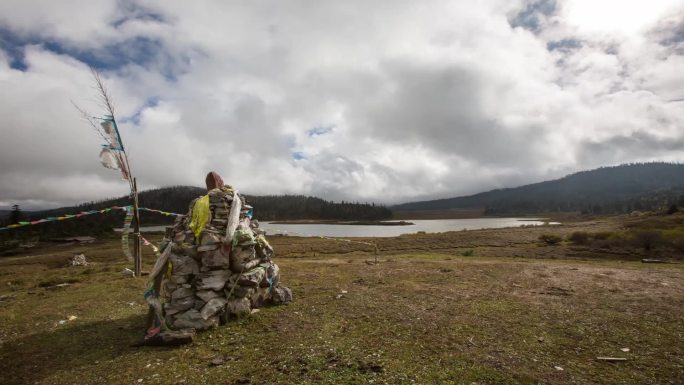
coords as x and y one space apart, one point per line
383 101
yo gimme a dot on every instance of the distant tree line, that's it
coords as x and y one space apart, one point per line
282 207
176 199
664 201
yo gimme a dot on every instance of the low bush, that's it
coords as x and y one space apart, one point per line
579 237
672 210
647 239
550 239
674 238
601 235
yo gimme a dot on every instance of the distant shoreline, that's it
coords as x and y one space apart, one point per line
338 222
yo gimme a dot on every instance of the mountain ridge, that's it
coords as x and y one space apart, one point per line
614 189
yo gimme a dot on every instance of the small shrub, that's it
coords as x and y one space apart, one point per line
674 238
579 237
602 235
550 239
648 239
673 209
468 253
677 243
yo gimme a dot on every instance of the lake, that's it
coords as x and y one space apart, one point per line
426 225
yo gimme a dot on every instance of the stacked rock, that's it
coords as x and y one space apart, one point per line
211 280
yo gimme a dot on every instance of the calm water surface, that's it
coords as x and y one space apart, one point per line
429 226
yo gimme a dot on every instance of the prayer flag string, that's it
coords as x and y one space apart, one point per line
82 214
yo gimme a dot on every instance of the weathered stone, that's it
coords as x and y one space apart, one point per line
183 265
179 279
168 288
242 259
190 251
244 235
189 237
215 259
213 280
260 296
253 277
272 276
169 319
220 198
209 247
192 319
240 291
206 295
210 238
281 295
181 292
179 237
212 307
179 305
169 338
198 304
79 260
220 212
263 249
238 308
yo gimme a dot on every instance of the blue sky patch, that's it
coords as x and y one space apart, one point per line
131 11
143 51
564 45
320 130
298 155
528 17
14 48
135 118
139 50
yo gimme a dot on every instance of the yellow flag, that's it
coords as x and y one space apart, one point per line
200 215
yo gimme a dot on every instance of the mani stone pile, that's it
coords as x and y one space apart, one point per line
210 280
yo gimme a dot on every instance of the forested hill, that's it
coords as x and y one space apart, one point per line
274 207
625 188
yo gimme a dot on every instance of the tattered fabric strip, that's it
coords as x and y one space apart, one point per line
124 234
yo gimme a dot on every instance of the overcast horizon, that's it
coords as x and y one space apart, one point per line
382 101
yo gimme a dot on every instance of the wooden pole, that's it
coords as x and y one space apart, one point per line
137 250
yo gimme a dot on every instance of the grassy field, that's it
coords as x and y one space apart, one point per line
470 307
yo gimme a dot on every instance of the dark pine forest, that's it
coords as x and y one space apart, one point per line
176 199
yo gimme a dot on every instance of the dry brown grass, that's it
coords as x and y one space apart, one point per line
425 314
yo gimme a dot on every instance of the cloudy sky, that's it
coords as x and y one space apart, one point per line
384 101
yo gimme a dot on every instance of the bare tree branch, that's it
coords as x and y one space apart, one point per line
106 102
102 90
89 118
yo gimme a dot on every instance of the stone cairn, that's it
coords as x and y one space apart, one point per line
211 281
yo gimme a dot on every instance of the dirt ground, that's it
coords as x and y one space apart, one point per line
473 307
